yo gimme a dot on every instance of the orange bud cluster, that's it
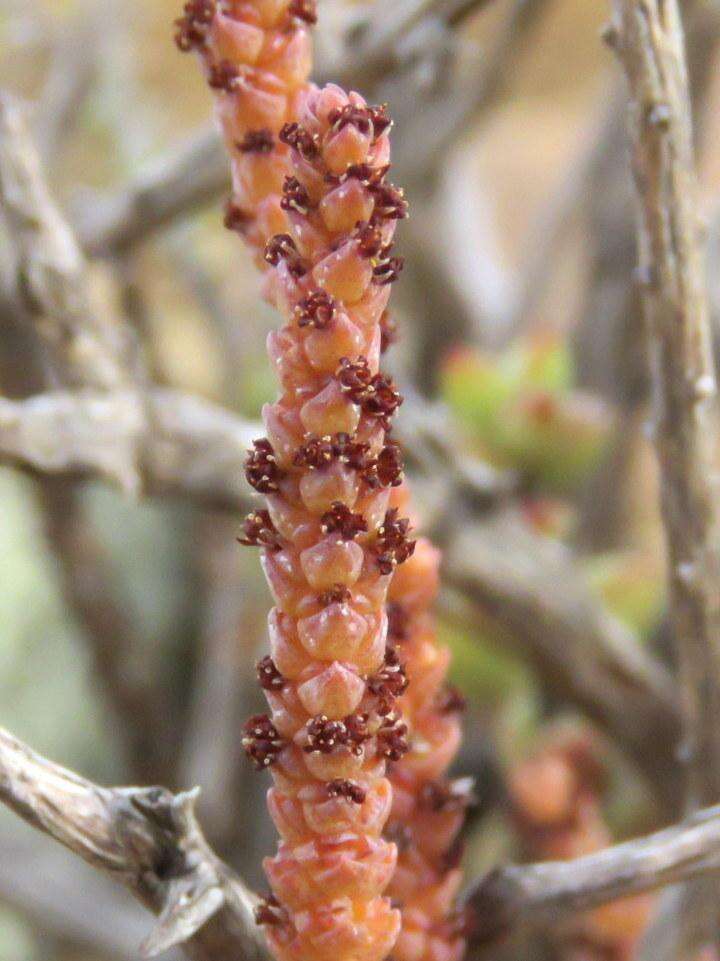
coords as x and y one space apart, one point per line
311 194
556 796
428 809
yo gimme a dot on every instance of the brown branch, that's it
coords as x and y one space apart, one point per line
541 895
529 587
149 840
188 446
85 347
671 271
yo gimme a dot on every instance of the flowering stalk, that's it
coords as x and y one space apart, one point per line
256 56
428 809
556 799
310 192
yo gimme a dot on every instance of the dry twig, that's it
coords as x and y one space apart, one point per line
672 277
649 39
188 446
541 895
51 285
149 840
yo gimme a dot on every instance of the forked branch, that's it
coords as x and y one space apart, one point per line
150 841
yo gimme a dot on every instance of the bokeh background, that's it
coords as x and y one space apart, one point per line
129 627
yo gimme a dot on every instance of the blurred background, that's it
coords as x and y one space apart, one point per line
129 626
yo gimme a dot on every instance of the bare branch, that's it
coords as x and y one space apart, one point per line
181 181
149 840
649 40
87 349
650 45
540 895
188 446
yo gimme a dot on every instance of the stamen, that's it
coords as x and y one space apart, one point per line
392 545
282 247
223 76
259 531
261 741
295 196
347 789
341 520
261 469
316 310
300 139
269 677
191 28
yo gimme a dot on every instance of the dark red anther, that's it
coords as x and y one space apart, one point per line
355 378
298 138
357 732
261 469
341 520
339 594
191 28
269 678
389 682
450 701
388 270
388 331
236 218
390 202
384 400
398 622
318 452
385 470
377 395
381 121
351 452
259 531
373 121
392 742
223 76
315 453
369 238
261 741
368 175
294 196
324 735
305 10
349 790
316 310
256 141
282 247
392 545
352 114
270 911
